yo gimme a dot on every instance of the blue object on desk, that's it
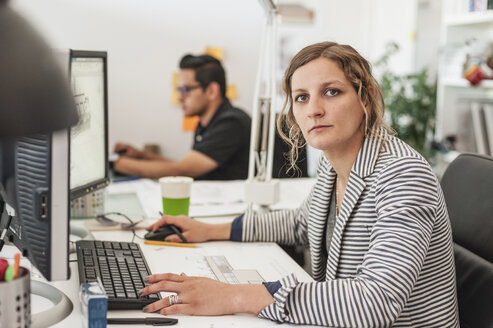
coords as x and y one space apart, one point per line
94 305
124 179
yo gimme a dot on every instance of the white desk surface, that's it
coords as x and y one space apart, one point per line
267 258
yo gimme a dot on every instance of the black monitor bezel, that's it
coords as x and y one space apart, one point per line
100 183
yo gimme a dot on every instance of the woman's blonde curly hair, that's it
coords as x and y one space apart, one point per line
358 72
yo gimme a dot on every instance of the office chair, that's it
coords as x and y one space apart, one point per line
468 190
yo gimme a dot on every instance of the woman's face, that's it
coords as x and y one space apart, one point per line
326 106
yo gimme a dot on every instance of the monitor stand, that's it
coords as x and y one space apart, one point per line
62 306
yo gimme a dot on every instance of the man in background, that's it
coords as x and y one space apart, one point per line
222 137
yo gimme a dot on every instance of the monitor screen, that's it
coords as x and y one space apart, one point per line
89 138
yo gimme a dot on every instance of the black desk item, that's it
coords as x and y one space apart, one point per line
164 231
143 321
121 266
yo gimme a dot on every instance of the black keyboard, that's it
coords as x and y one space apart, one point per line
121 266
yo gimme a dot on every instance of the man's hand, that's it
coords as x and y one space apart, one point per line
128 150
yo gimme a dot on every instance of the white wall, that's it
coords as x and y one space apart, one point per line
428 36
146 38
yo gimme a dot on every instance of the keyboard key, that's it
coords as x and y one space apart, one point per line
88 261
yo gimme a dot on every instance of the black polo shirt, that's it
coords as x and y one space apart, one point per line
226 139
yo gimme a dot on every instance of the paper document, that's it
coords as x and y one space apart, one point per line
217 198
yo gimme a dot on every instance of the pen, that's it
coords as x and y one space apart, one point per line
145 321
9 273
167 243
17 259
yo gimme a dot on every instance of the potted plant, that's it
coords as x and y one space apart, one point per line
410 102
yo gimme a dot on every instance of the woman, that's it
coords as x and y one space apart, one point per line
376 221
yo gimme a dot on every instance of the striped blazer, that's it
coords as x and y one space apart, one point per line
390 262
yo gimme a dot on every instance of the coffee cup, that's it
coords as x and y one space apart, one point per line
175 193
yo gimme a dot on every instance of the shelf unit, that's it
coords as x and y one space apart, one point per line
455 94
469 18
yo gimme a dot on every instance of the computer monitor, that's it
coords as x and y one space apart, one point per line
36 111
35 177
89 138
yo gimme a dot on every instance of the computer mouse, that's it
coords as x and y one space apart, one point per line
162 232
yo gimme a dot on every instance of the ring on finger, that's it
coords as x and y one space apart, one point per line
174 299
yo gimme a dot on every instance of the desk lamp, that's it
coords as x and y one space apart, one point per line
260 188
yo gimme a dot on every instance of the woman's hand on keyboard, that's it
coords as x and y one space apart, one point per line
204 296
194 231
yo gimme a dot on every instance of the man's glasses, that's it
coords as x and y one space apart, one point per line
184 90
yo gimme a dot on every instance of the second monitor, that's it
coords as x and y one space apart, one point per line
89 138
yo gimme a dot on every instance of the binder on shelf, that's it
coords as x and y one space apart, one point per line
488 120
479 128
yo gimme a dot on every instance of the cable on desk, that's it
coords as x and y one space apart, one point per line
105 220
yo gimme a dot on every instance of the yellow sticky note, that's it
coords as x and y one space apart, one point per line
215 52
190 123
231 92
174 98
175 80
174 93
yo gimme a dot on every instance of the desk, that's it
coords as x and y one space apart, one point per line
267 258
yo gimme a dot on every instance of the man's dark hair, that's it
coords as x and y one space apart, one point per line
207 69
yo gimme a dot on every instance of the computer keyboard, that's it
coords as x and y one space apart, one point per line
121 266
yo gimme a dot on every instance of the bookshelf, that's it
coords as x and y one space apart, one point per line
455 95
469 18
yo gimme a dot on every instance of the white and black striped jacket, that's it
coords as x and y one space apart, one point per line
390 261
